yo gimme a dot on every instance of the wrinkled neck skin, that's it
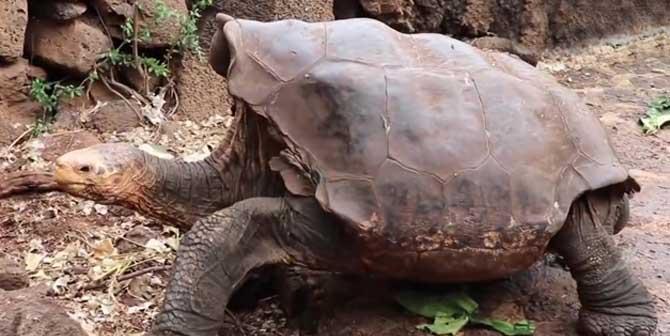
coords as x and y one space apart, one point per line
181 192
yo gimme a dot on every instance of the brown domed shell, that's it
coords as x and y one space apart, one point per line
419 138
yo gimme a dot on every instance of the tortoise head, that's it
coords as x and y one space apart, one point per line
220 53
107 173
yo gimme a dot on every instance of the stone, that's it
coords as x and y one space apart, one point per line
202 92
69 111
17 110
72 110
408 16
72 46
136 238
27 312
114 116
61 10
12 275
262 10
163 32
58 144
13 23
508 46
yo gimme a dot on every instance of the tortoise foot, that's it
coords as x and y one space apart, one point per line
302 299
619 323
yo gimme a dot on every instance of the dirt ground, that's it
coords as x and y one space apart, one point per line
617 79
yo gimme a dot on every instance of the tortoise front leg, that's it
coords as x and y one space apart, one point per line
220 250
614 302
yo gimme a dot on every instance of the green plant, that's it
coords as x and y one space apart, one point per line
48 94
189 41
118 57
657 115
163 12
40 127
128 30
451 312
155 67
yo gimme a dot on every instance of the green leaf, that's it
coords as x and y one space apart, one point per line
657 115
453 311
508 329
446 324
156 67
127 28
429 305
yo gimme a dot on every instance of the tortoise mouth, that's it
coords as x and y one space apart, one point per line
69 180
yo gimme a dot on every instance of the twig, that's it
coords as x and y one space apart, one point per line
18 139
136 54
109 87
100 284
140 98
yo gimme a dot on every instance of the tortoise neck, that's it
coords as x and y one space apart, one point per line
238 169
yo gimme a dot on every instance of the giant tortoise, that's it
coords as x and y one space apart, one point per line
362 150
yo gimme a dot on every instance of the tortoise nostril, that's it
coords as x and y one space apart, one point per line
85 168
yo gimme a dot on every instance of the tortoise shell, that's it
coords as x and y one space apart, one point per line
421 141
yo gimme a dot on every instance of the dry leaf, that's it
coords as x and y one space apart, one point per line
157 245
103 249
33 260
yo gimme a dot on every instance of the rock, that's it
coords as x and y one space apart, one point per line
114 116
72 46
163 32
12 275
17 111
61 10
69 111
202 92
508 46
13 22
72 110
136 238
58 144
408 15
539 24
27 312
262 10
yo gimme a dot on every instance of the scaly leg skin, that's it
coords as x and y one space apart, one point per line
220 250
614 302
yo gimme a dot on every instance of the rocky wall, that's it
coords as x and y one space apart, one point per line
64 42
539 24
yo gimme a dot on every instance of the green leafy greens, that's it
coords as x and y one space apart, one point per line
452 312
657 115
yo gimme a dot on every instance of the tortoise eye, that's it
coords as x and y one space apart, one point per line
85 168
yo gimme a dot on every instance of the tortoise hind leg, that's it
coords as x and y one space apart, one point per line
614 302
219 251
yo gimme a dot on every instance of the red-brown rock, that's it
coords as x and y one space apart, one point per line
71 46
61 10
13 21
17 111
202 92
163 32
12 275
60 143
115 116
27 312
